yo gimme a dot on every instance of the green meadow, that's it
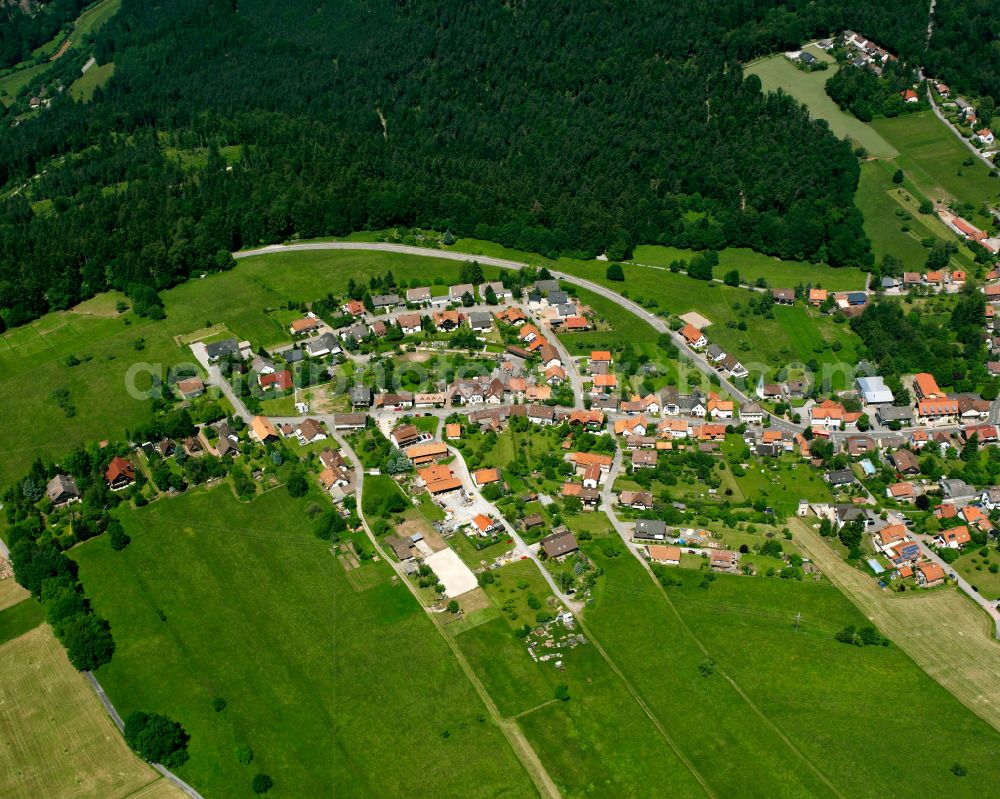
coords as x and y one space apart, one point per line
325 676
893 221
33 357
795 334
789 711
571 737
932 157
753 265
809 88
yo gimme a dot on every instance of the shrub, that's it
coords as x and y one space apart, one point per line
156 738
261 783
244 754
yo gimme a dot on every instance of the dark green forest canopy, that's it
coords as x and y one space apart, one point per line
560 127
965 47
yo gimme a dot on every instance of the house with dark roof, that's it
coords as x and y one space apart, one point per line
61 490
559 545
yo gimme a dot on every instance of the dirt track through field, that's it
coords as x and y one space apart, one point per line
941 630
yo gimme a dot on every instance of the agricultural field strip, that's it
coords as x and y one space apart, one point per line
943 633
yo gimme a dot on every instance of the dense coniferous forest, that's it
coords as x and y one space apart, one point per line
572 127
965 47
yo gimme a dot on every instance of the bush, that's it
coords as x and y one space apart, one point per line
615 272
297 485
156 738
244 754
261 783
218 704
88 641
958 770
562 692
118 537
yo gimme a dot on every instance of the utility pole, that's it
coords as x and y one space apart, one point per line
798 619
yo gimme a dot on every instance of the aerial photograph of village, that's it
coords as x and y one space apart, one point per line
497 400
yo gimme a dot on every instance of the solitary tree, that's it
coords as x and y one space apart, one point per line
615 272
897 177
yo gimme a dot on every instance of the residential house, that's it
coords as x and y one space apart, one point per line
719 408
693 336
119 474
650 530
439 479
839 478
528 333
309 431
751 413
817 297
639 500
61 490
723 560
302 326
559 545
386 301
541 414
929 574
783 296
644 459
901 492
280 381
955 538
455 293
905 462
502 293
666 555
407 435
409 323
191 387
427 452
418 296
227 348
325 344
353 308
483 477
360 396
350 421
481 321
909 96
485 525
263 430
447 320
600 356
714 353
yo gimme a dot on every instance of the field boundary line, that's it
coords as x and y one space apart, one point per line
750 703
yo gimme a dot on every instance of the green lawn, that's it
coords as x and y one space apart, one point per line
625 327
931 156
809 88
784 706
574 737
18 619
32 357
83 87
796 333
11 84
884 204
976 569
752 265
323 681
